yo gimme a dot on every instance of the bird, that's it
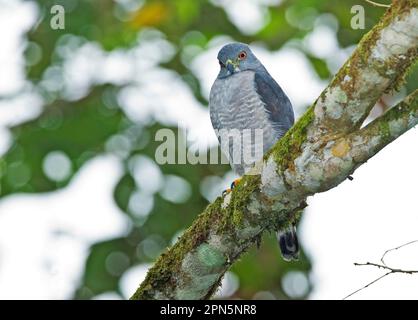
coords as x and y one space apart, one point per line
246 102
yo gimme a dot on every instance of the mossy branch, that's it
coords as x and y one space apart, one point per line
379 64
320 151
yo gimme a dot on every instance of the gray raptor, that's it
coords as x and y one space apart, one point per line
245 102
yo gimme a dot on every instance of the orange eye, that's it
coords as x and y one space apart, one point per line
242 55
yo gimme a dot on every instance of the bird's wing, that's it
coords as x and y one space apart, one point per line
214 106
216 123
276 103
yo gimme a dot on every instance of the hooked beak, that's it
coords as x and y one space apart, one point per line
231 66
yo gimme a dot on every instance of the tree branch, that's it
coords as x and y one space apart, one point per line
320 151
382 266
377 66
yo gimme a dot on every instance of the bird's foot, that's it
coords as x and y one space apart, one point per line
233 185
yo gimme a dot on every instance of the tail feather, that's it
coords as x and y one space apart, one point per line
288 242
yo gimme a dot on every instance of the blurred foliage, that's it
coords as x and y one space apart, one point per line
82 127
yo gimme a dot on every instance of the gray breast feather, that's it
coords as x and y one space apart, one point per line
240 102
234 103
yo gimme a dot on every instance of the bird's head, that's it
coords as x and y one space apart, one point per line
236 57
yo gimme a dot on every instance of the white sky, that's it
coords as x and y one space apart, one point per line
44 239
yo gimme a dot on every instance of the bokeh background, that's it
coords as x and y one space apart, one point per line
85 209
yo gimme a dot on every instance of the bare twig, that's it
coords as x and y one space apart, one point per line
376 4
393 249
369 284
383 266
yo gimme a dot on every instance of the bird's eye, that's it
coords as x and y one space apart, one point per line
221 64
242 55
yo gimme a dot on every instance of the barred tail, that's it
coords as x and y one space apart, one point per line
288 242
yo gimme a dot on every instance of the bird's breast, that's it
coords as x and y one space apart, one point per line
235 103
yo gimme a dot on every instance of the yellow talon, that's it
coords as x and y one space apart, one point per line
235 183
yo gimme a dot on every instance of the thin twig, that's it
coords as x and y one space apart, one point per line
376 4
383 266
370 283
393 249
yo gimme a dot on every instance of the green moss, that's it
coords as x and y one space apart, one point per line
384 130
241 197
288 148
237 217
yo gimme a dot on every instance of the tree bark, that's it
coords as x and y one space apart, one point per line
320 151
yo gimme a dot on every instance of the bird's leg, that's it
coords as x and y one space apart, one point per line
233 185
